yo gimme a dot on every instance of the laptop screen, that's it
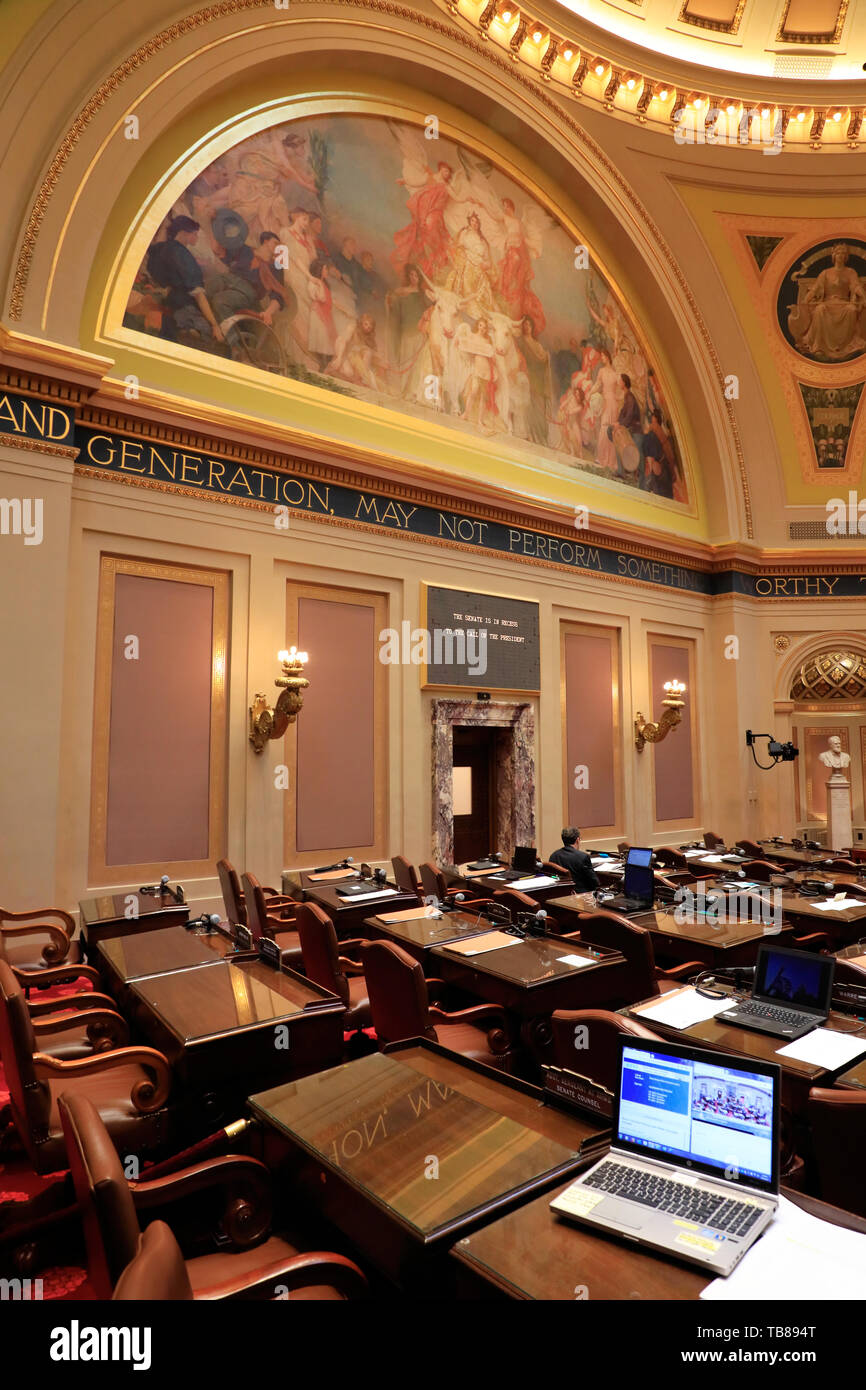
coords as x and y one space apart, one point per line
797 978
638 880
525 858
700 1110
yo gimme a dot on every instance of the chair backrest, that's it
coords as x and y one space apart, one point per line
433 883
232 895
671 858
320 950
29 1099
633 941
256 909
761 869
405 876
711 840
842 866
515 901
837 1124
623 846
157 1272
851 890
111 1228
397 992
751 847
594 1052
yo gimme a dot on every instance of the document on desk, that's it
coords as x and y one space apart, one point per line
577 961
540 881
825 1047
799 1257
477 945
714 858
839 904
332 875
410 914
694 853
368 897
682 1008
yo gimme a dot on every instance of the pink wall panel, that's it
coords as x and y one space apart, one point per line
674 774
812 743
589 729
159 755
336 791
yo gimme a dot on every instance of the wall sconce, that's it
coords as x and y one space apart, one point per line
267 723
673 713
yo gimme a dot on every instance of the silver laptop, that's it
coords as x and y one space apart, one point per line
693 1168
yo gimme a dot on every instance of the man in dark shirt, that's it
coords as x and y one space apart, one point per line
576 860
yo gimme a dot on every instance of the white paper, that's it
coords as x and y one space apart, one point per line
831 905
799 1257
682 1009
715 858
366 897
694 853
540 881
576 961
824 1047
480 950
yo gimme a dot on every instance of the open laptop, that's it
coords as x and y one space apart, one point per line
791 994
523 864
638 884
693 1168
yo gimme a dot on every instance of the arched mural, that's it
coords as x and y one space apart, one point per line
353 253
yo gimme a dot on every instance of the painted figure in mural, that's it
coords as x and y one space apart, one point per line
450 294
838 300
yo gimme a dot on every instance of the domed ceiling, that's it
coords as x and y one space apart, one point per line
811 39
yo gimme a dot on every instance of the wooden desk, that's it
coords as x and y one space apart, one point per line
842 927
348 914
796 856
217 1024
714 944
532 1254
797 1076
485 885
106 917
356 1143
123 959
531 979
419 935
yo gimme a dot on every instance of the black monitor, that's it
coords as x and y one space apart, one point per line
525 859
638 880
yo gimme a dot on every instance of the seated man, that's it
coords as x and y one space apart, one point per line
576 860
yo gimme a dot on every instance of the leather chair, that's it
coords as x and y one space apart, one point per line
842 866
837 1125
233 896
33 944
114 1238
671 858
405 876
851 890
515 901
751 847
400 1001
128 1086
713 841
599 1059
761 869
623 847
325 966
645 978
433 883
79 1026
277 925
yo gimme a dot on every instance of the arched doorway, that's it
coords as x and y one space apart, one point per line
828 701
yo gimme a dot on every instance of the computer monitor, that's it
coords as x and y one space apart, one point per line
638 880
705 1111
799 979
525 859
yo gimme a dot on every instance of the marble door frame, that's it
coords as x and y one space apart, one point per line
515 770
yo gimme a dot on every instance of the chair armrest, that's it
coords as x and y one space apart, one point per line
680 972
314 1267
435 989
477 1013
282 923
275 898
88 999
57 947
105 1027
813 941
146 1095
246 1182
55 975
65 921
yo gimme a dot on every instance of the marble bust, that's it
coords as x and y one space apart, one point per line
833 757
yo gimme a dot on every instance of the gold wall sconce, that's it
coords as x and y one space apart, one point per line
267 723
644 732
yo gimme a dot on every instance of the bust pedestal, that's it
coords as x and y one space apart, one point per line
840 833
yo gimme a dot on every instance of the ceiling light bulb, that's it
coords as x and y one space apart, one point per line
631 84
698 103
765 113
506 16
568 54
663 94
837 115
599 69
801 115
730 108
537 36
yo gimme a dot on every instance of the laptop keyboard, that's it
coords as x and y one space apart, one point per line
676 1198
775 1015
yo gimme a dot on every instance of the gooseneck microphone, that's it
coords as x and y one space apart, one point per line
342 864
208 922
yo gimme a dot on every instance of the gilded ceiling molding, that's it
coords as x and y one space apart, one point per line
786 35
38 446
719 25
531 84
